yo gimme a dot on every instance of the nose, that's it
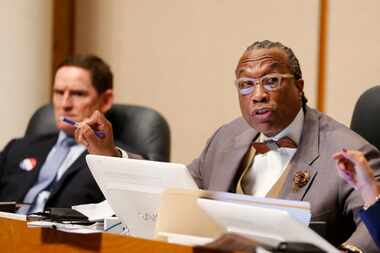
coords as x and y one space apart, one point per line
260 95
67 101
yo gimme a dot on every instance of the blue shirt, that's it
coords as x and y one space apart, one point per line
74 153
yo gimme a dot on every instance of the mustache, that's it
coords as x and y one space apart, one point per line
263 105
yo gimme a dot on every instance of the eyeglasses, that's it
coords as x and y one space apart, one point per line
270 82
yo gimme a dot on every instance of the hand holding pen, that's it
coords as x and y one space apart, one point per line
96 134
99 134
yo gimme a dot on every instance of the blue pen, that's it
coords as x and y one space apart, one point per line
99 134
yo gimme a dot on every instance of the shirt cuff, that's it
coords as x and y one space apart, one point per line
123 153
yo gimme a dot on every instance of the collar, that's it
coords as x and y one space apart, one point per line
62 135
293 130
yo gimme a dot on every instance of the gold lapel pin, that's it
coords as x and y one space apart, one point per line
300 179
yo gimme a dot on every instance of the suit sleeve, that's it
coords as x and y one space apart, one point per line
371 219
199 164
4 156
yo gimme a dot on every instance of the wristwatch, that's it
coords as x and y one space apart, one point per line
349 248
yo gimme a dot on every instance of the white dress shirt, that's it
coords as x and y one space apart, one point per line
267 168
74 153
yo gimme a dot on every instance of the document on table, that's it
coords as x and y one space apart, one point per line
264 224
269 221
13 216
70 228
133 187
299 210
95 212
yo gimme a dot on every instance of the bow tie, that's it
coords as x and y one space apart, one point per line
264 147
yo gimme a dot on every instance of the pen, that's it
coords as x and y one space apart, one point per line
99 134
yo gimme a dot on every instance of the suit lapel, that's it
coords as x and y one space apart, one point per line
301 163
39 150
42 150
79 163
230 159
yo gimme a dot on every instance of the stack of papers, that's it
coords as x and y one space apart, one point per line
13 216
65 227
96 212
268 221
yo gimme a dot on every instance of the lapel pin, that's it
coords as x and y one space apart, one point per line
28 164
300 179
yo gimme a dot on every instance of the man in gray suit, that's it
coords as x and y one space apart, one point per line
280 147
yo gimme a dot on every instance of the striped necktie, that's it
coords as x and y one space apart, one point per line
47 173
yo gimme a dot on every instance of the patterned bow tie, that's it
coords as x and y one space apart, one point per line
264 147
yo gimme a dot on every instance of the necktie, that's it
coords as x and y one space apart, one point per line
261 148
264 147
48 172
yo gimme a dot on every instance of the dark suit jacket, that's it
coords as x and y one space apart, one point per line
332 200
76 186
371 218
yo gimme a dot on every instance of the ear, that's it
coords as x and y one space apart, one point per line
106 100
299 84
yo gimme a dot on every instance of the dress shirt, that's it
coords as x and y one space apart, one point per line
74 153
267 168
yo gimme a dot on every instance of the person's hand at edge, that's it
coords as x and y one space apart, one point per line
353 167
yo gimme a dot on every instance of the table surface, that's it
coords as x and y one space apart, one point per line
15 236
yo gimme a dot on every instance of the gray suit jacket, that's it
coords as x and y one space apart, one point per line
332 200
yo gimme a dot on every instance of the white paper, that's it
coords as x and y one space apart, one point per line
266 225
70 228
13 216
133 188
95 212
299 210
189 240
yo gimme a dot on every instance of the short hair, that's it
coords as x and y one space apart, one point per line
101 74
293 62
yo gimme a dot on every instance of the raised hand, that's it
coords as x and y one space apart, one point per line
99 145
353 167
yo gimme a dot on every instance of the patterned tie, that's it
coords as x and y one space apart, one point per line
47 173
264 147
261 148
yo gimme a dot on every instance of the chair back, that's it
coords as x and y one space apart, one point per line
366 116
140 129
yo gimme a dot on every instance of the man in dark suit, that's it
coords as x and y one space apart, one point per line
280 147
36 170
